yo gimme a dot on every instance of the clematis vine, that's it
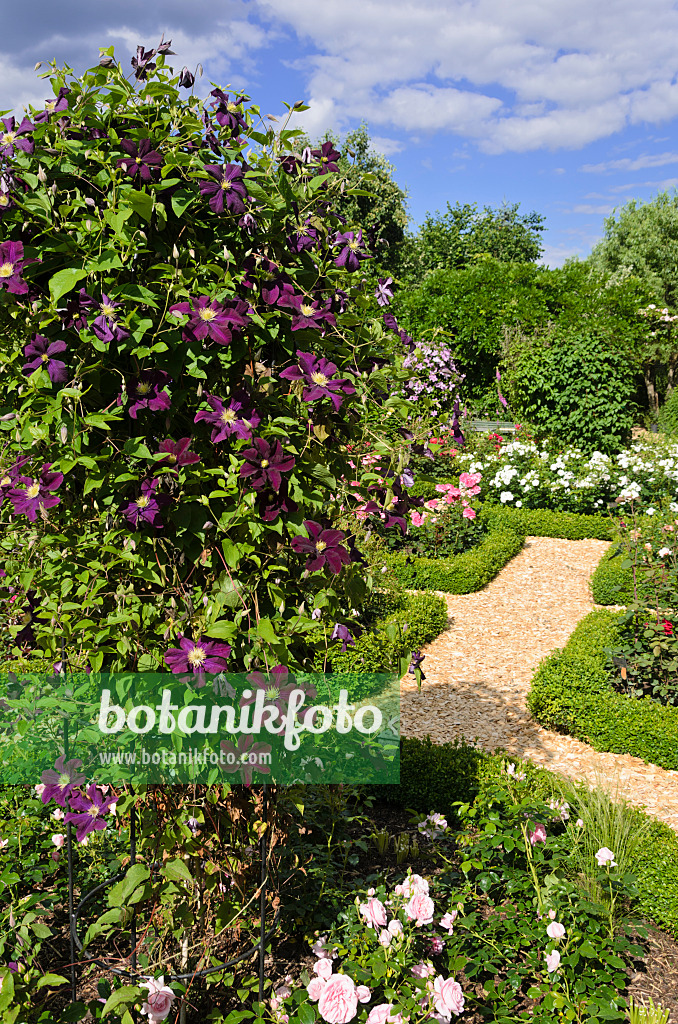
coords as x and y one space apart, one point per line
88 810
228 112
146 509
342 633
55 105
209 318
186 78
327 157
141 159
10 139
199 656
323 547
58 783
308 312
146 392
318 373
271 504
350 253
384 291
235 757
228 189
106 326
31 496
12 263
176 454
264 463
41 352
237 418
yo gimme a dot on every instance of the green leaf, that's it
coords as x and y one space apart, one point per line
53 980
306 1014
137 875
266 631
586 949
322 474
65 281
181 200
177 871
141 203
126 994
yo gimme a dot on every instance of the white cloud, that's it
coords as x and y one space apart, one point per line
589 208
628 164
556 255
386 146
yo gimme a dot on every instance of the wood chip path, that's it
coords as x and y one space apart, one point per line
478 673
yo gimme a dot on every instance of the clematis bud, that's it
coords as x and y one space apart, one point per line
38 66
42 177
192 253
88 225
175 252
63 433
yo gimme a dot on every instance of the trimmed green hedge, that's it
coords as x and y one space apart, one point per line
543 522
461 574
571 693
610 584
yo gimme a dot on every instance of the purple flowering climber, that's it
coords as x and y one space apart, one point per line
317 373
327 156
238 418
211 319
60 781
228 112
176 454
264 463
146 509
199 656
141 159
308 312
270 504
32 495
351 252
186 78
12 263
323 547
342 633
55 105
41 352
146 392
106 326
88 810
384 292
228 188
10 139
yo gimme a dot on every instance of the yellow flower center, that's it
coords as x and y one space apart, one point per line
196 656
225 185
137 160
94 811
8 138
228 416
50 104
319 378
264 463
171 459
231 107
44 357
5 481
33 491
321 545
4 200
208 313
142 502
353 244
107 309
143 387
6 270
307 309
272 693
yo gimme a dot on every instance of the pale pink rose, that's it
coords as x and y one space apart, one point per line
469 479
159 1000
363 993
40 788
374 913
385 937
555 930
432 503
418 518
539 835
448 920
380 1014
469 513
58 815
412 886
338 1003
371 892
423 970
315 988
420 909
442 488
552 915
321 949
395 928
448 997
605 856
59 839
323 968
552 961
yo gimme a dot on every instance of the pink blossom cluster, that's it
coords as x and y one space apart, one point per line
451 495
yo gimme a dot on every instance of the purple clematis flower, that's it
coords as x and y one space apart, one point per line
323 547
88 810
26 636
228 188
304 238
40 351
384 291
327 156
143 63
235 757
309 313
228 112
106 326
186 78
54 105
211 319
264 463
9 477
6 201
73 315
12 263
290 164
200 656
265 275
237 418
351 253
177 454
141 159
33 495
270 504
342 633
317 373
147 392
60 781
10 139
145 510
248 223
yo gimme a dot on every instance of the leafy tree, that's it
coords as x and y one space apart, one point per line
463 235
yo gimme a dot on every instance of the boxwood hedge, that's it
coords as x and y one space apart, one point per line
610 583
544 522
460 574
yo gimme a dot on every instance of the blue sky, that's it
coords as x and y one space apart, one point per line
568 107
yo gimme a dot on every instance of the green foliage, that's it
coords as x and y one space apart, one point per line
656 867
668 414
612 582
572 383
571 692
544 522
461 574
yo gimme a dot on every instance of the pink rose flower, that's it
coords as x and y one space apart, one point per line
374 913
395 928
469 513
385 937
448 920
380 1014
423 970
412 886
555 930
59 839
448 997
363 993
539 835
323 968
338 1003
159 1000
420 909
605 856
432 503
418 518
552 961
315 988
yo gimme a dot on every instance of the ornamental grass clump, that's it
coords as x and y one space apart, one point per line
187 354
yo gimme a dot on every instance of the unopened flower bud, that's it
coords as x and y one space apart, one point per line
63 433
175 252
88 224
142 234
42 177
227 254
53 189
38 66
200 390
192 253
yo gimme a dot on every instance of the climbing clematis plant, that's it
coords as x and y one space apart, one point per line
188 360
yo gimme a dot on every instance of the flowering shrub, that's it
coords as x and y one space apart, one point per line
444 525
